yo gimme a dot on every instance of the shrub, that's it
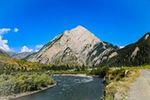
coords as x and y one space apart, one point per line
23 82
101 71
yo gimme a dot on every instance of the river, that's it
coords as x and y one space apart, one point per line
70 88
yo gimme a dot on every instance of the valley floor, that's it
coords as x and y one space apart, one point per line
140 89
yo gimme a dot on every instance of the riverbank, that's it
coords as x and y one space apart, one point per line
70 88
118 81
70 72
12 97
78 75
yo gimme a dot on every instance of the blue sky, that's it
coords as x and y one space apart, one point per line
116 21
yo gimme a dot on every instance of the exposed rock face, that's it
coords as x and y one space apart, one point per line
74 47
22 55
134 54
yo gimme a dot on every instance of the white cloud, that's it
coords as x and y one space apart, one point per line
4 44
16 30
26 49
121 47
4 30
38 47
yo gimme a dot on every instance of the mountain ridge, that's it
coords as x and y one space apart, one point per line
79 46
21 55
134 54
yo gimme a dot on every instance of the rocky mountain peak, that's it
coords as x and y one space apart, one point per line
79 27
77 46
80 32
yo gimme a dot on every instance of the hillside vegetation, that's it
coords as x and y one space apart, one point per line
19 76
135 54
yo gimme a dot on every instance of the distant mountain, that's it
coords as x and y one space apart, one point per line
74 47
10 53
2 52
134 54
21 55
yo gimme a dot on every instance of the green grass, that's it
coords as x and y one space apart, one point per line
137 67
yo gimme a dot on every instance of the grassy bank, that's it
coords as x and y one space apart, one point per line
21 82
117 82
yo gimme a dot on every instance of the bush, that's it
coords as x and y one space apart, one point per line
23 82
100 71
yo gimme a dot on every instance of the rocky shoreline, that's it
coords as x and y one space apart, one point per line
78 75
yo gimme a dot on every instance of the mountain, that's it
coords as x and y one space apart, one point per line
11 53
2 52
74 47
21 55
134 54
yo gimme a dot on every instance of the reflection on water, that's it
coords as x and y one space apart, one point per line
70 88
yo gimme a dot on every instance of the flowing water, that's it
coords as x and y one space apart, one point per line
70 88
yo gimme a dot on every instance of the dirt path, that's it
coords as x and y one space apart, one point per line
140 89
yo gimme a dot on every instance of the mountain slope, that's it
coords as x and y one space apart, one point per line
132 55
3 53
21 55
74 47
8 63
